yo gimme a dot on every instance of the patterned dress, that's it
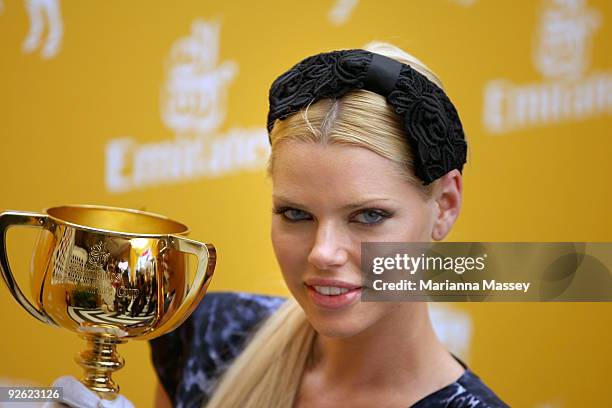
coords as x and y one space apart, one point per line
189 360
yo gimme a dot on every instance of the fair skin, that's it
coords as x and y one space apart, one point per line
320 194
385 352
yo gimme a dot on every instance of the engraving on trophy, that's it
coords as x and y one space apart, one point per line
98 256
74 266
86 270
92 273
124 292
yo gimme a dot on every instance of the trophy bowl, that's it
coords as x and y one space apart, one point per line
109 275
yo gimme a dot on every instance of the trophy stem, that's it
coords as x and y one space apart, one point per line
99 361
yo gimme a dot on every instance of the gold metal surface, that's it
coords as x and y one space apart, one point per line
109 274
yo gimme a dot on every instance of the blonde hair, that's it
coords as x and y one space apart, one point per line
267 374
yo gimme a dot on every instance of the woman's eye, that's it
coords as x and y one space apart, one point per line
293 214
371 217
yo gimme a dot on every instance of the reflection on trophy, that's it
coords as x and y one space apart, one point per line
109 274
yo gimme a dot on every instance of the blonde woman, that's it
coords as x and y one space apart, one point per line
366 146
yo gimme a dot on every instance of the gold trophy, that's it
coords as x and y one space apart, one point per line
109 274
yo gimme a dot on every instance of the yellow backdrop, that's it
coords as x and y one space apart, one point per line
160 106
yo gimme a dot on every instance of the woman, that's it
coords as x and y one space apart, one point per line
365 147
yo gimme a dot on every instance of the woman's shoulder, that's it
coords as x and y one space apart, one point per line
190 359
225 313
469 391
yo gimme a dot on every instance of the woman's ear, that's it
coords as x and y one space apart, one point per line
447 196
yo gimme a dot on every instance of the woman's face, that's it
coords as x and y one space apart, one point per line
327 200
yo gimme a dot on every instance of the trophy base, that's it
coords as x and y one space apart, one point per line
99 361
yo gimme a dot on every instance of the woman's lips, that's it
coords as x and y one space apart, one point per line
331 282
352 293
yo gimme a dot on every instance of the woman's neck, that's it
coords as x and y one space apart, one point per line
399 352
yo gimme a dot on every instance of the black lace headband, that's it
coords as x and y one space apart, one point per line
432 124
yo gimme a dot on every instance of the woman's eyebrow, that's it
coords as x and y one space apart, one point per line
350 206
363 203
280 200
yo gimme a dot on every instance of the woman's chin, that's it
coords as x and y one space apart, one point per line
338 325
334 320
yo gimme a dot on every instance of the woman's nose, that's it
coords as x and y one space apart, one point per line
329 248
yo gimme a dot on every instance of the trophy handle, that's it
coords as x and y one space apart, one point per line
207 258
11 219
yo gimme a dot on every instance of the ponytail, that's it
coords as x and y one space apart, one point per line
268 372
